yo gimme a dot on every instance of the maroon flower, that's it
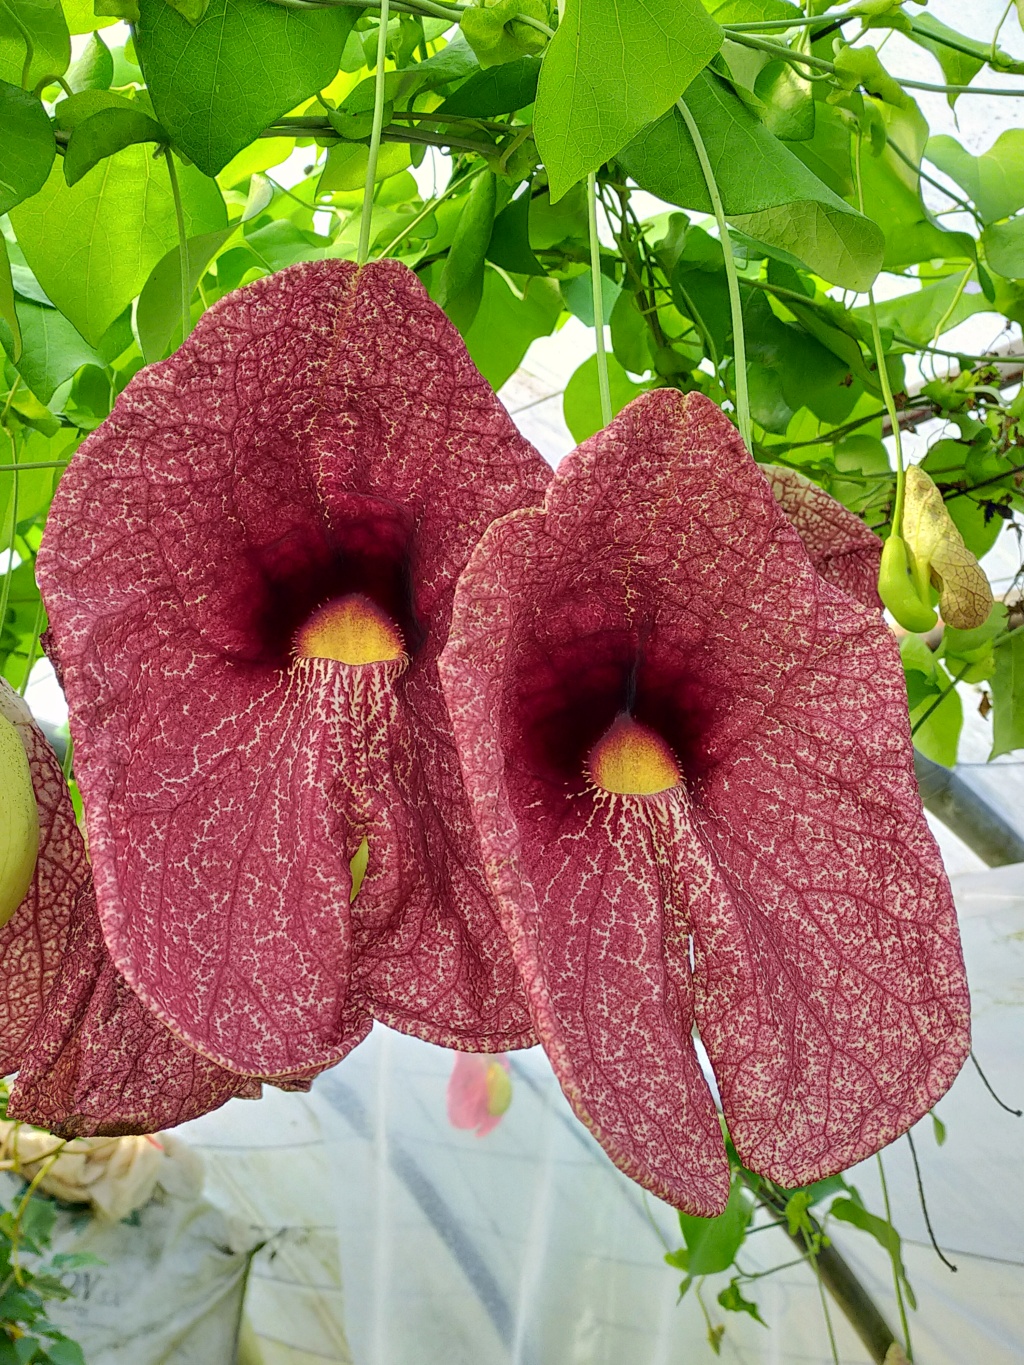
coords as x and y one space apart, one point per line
837 542
690 765
249 572
90 1058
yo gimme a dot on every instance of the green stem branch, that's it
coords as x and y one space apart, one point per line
186 293
376 128
895 1264
732 278
603 385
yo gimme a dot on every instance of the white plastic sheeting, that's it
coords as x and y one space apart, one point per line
527 1247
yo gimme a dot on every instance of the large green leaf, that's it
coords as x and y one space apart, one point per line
505 325
581 402
91 245
27 147
81 18
768 192
994 181
52 350
613 67
217 84
892 194
43 21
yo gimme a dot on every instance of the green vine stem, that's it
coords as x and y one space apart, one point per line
427 209
26 38
186 293
895 1264
33 649
363 251
735 306
598 295
883 372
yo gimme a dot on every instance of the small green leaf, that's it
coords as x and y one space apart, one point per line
767 192
509 246
612 68
192 10
52 350
1008 695
938 1129
892 195
788 101
128 10
849 1211
939 735
578 294
81 18
498 90
1003 244
217 84
43 20
496 33
347 162
993 181
104 133
158 314
630 334
94 69
581 402
712 1243
732 1300
505 325
27 148
462 279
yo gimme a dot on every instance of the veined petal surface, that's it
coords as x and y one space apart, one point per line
90 1058
786 896
322 433
838 543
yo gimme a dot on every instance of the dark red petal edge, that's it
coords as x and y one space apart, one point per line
838 543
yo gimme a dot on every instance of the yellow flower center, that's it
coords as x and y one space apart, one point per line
352 630
631 759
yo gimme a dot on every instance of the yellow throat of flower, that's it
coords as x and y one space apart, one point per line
352 630
631 759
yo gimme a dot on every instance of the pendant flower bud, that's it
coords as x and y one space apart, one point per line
938 556
249 571
690 764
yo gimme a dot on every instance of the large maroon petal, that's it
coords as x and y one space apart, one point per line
838 543
793 860
322 431
89 1057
